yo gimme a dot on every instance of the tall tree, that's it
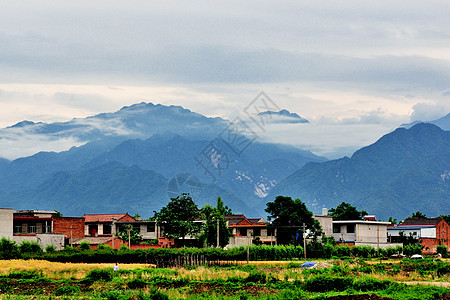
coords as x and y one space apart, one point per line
288 217
214 216
345 212
418 215
178 216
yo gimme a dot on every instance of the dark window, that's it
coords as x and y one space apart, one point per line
243 231
32 228
107 229
18 229
351 228
270 231
336 228
257 232
151 227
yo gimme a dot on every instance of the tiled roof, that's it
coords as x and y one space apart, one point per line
421 222
103 217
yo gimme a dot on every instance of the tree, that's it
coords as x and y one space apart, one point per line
346 212
288 217
178 216
213 216
392 221
446 218
135 234
418 215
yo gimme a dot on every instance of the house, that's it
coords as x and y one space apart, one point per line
98 225
71 227
326 222
244 231
361 233
429 231
32 225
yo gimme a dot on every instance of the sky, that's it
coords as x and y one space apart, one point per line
355 69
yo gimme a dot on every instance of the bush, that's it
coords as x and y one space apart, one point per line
8 249
324 283
50 248
30 247
84 245
370 284
442 250
104 247
23 274
137 283
66 290
99 275
256 277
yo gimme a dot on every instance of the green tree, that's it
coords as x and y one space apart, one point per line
392 220
213 216
288 217
346 212
418 215
8 249
178 216
446 218
135 234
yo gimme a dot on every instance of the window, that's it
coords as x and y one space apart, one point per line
336 228
257 232
151 227
18 229
107 229
351 228
270 231
243 231
32 228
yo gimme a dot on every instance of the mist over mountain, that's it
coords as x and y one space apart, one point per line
403 172
128 159
443 123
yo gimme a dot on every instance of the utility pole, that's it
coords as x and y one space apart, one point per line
218 243
248 249
70 235
113 231
304 241
129 236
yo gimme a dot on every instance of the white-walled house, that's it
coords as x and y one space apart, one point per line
361 233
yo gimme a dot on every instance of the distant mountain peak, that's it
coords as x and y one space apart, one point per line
24 124
283 116
443 123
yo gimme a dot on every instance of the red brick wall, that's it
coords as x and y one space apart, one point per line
442 238
63 224
127 218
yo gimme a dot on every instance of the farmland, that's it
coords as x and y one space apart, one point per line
395 279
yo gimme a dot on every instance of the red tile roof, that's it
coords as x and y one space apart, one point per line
103 217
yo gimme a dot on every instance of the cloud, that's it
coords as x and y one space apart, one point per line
429 111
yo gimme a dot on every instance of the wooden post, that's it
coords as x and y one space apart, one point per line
218 244
304 241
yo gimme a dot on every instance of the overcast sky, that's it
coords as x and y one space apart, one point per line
355 69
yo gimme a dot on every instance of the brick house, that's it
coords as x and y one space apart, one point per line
244 230
98 225
429 231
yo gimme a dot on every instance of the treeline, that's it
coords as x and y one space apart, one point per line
164 257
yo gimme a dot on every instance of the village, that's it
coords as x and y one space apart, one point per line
49 228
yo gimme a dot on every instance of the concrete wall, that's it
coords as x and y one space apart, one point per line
237 241
56 240
6 222
370 233
326 222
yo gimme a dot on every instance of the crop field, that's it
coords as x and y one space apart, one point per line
335 279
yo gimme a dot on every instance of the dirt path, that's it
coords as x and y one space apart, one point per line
435 283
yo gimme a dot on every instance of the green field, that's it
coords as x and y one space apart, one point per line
405 279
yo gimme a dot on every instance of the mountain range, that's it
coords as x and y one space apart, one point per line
403 172
129 159
135 159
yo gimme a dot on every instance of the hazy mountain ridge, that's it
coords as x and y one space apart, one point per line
51 180
402 172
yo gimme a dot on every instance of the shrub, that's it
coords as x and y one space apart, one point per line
104 247
137 283
370 284
100 275
324 283
66 290
256 277
84 245
442 250
50 248
8 249
30 247
23 274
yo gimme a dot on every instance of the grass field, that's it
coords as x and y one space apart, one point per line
35 279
